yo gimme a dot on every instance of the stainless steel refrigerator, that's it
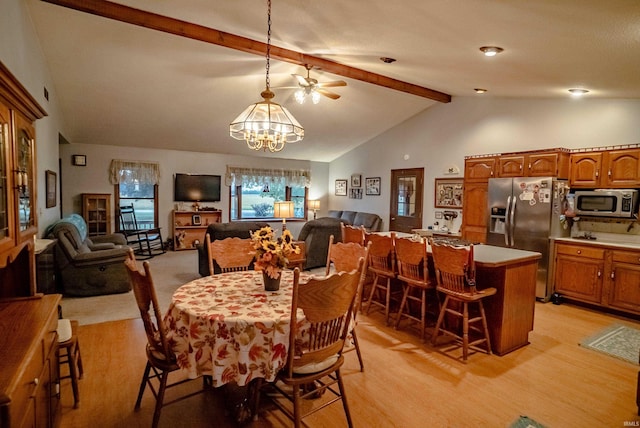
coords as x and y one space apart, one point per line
524 213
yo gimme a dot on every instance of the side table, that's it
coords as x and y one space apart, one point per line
45 265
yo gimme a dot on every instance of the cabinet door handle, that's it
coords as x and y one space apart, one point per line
609 173
520 166
613 274
599 274
597 173
36 381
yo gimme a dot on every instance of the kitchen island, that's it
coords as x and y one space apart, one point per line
510 311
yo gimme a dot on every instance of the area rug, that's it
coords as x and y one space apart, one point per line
617 341
525 422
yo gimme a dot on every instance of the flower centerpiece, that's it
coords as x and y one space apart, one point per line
272 252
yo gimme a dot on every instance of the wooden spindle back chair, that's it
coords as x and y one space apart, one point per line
230 254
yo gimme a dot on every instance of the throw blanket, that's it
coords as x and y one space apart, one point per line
74 219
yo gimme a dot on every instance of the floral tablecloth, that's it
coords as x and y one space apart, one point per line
227 326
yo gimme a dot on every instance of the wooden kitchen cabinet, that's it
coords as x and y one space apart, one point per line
474 211
608 169
605 276
479 169
622 168
534 164
579 272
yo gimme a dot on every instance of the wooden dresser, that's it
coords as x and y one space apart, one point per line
29 378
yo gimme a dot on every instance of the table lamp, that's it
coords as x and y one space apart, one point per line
283 210
315 206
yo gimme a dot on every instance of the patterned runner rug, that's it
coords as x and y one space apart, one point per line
616 340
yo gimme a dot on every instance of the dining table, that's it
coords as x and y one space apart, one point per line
228 327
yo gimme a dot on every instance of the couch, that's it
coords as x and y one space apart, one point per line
316 233
88 266
221 231
371 222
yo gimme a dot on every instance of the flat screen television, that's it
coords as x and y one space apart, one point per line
196 188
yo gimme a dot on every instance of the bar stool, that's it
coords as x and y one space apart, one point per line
69 353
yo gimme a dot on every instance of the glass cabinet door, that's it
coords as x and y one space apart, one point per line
6 215
24 174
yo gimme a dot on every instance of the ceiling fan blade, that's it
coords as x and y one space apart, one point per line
302 81
328 94
332 84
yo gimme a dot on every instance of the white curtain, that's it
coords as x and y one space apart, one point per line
128 172
237 176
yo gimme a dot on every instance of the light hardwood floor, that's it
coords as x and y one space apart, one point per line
405 383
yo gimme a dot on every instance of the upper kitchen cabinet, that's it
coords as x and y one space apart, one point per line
479 168
611 169
535 164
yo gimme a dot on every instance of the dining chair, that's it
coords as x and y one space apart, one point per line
413 270
352 233
327 304
160 358
382 264
344 256
148 241
230 254
455 276
69 354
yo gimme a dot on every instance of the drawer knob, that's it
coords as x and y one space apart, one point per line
579 251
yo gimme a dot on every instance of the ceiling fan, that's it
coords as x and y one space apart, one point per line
310 87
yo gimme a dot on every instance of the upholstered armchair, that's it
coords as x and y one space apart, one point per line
88 266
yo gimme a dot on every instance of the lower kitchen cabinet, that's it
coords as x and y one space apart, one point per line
600 275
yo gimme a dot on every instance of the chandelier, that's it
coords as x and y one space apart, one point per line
266 125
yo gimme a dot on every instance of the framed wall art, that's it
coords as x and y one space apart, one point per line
448 193
341 187
50 188
356 180
356 193
372 186
79 160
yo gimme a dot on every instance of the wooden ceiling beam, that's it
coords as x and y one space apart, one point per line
127 14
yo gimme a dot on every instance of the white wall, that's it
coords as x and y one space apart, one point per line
443 135
94 177
20 52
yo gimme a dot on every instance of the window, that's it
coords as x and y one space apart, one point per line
254 191
136 183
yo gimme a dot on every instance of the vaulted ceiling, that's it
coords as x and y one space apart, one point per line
144 78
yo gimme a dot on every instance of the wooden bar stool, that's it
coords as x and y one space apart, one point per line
69 353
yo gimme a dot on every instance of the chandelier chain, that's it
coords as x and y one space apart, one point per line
268 41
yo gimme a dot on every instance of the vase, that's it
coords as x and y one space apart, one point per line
271 284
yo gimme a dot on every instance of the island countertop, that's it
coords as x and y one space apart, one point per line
492 256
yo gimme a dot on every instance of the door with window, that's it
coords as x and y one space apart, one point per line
407 187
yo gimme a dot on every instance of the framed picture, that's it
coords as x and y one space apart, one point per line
196 220
341 187
356 180
372 185
79 160
448 193
50 188
356 193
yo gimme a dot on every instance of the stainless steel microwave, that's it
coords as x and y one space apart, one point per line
621 203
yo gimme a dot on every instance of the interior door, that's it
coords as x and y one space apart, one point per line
406 199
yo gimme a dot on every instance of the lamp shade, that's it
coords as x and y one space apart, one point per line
283 209
314 204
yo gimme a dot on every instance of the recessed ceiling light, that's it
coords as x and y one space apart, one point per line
387 60
491 50
480 90
578 92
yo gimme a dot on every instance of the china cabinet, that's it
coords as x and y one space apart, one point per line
18 183
96 211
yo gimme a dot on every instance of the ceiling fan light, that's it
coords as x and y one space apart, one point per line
480 90
578 92
299 96
315 97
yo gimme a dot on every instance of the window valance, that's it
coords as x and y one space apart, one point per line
237 176
128 172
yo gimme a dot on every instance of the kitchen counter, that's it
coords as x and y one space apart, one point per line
491 256
604 242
